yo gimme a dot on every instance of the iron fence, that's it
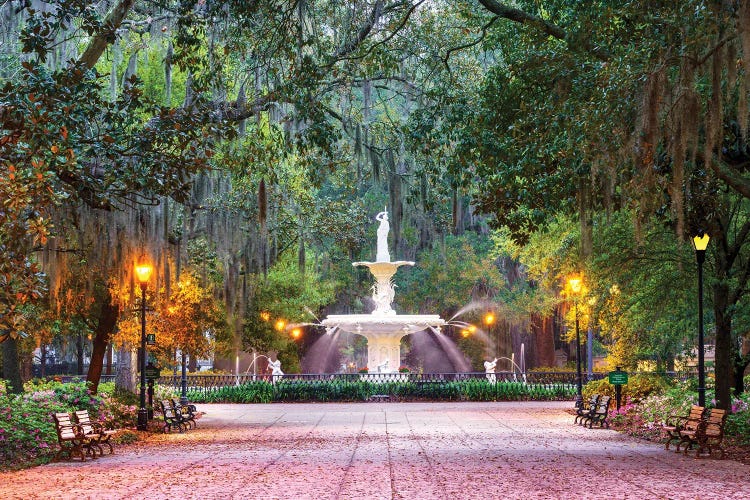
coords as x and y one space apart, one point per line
206 383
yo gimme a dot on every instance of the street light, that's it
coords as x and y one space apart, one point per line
700 243
143 273
576 284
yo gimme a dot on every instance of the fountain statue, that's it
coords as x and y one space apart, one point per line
382 254
489 369
383 328
275 367
383 367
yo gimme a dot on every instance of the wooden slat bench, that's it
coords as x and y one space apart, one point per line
674 424
185 411
584 410
600 414
71 438
708 435
172 419
95 431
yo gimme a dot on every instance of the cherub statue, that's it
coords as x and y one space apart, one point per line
489 369
275 367
383 367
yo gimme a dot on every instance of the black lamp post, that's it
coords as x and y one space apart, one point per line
183 380
575 287
143 272
700 243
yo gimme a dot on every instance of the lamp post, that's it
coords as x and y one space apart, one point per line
575 287
700 243
143 273
183 379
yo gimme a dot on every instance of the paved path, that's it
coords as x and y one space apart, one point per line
385 450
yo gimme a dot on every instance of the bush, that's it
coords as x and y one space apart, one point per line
361 390
639 386
27 430
738 422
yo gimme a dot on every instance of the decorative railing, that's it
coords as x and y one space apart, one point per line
545 379
204 383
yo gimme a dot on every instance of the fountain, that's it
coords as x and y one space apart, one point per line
383 328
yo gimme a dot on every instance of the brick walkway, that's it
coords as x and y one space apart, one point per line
386 450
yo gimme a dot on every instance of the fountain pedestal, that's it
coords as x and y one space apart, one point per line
383 329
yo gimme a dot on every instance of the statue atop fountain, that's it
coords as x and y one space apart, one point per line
382 254
383 291
383 328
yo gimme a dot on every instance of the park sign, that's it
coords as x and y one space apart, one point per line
618 377
152 372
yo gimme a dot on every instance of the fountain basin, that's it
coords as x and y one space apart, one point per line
383 333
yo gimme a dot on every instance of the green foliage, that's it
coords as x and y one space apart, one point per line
253 392
405 388
450 274
286 293
638 387
738 422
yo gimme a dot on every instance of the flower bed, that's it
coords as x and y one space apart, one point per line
27 431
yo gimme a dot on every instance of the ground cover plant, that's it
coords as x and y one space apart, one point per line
27 431
361 390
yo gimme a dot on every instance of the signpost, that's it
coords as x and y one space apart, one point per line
618 378
152 373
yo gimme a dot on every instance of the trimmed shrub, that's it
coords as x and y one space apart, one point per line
638 387
361 390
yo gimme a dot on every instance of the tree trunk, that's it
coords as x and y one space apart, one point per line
723 361
105 327
79 354
11 366
42 360
740 364
126 370
109 359
543 335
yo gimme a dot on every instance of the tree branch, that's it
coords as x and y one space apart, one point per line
103 39
553 30
729 175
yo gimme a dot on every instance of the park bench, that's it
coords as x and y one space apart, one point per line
708 434
583 410
95 431
71 438
380 398
172 419
599 415
676 423
186 411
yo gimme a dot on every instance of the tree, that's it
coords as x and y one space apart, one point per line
569 133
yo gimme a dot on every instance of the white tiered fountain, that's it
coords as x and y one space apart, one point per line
383 328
